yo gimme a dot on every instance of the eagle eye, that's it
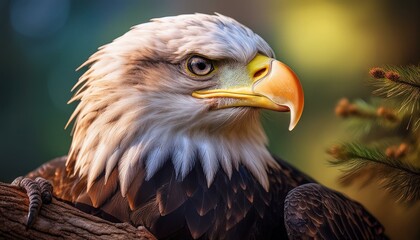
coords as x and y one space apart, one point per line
199 66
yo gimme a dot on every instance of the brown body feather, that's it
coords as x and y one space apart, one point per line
236 208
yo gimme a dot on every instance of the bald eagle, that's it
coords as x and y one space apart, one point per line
167 135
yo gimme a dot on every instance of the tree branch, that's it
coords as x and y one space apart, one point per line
57 220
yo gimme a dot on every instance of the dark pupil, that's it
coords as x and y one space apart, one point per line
201 65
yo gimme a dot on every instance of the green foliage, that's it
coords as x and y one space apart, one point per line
398 177
401 84
387 148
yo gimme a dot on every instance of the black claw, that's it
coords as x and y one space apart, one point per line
39 191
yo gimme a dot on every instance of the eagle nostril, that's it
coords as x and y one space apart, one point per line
260 73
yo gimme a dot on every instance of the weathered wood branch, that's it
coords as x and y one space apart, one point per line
57 220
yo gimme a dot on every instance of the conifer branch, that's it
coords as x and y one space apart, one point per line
400 82
388 149
364 117
400 178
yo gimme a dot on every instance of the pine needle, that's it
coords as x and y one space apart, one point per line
400 82
400 178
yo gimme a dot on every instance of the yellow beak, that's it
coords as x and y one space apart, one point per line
273 85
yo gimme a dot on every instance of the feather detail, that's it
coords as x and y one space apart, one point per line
155 160
100 191
183 156
316 212
208 160
170 196
225 159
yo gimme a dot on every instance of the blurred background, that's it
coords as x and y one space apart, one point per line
331 45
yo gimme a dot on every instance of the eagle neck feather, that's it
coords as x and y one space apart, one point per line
131 142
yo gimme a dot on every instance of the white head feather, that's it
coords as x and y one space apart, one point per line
136 109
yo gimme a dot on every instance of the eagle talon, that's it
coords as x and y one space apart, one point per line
46 189
39 191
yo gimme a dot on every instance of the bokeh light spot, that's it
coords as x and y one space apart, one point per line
320 35
38 18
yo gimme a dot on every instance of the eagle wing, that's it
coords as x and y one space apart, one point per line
312 211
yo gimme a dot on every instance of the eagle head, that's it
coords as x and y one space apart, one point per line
186 89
